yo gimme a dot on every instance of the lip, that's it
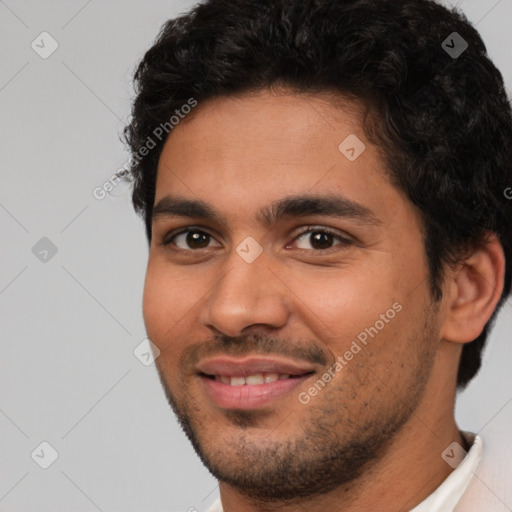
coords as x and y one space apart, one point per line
234 367
250 397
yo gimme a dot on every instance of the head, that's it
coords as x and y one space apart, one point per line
245 116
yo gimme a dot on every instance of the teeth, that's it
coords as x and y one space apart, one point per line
237 381
252 380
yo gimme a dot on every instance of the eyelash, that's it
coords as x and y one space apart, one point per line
310 229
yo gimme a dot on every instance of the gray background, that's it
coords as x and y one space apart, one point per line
70 324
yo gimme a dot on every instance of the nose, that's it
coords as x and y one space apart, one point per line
246 295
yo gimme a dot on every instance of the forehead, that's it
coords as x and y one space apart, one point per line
282 126
244 151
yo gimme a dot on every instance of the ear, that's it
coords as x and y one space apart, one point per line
473 291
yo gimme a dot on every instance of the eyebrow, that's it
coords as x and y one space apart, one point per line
288 207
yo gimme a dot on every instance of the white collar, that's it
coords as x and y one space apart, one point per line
449 493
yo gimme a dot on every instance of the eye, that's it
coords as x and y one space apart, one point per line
320 239
189 239
313 238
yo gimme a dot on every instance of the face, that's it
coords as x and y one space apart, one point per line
287 290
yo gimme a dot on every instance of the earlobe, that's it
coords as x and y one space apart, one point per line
474 291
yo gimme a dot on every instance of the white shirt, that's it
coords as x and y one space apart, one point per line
449 493
475 485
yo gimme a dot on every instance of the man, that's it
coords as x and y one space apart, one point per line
323 186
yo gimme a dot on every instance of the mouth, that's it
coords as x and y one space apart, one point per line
251 383
251 380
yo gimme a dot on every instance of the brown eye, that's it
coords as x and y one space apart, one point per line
319 239
197 239
190 239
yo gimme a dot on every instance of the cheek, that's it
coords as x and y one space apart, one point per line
371 320
153 303
166 302
341 304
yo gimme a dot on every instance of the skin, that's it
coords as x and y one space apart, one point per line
394 401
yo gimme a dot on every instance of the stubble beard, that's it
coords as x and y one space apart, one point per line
319 460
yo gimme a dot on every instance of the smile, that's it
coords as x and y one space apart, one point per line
251 380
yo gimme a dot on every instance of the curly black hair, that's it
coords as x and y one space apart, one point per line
441 119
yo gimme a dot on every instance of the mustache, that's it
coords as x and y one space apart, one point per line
251 344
